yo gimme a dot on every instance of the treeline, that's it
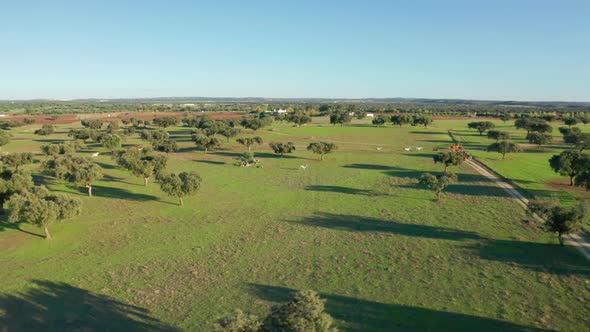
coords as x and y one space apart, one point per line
439 108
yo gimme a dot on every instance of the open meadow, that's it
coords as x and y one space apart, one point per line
356 227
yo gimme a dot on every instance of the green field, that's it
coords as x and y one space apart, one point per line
356 227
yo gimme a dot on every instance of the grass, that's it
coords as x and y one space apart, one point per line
356 228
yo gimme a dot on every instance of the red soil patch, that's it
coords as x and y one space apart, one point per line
72 118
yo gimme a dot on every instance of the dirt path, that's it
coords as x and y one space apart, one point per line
576 240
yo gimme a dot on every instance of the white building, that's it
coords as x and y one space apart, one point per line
370 115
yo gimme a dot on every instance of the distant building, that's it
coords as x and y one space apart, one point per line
279 111
370 115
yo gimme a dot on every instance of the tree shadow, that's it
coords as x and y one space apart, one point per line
113 192
49 140
368 224
355 314
4 224
372 167
106 166
58 306
212 162
345 190
541 257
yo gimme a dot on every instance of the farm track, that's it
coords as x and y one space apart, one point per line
577 240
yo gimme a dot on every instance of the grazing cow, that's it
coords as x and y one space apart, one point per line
418 148
303 167
407 149
379 148
94 155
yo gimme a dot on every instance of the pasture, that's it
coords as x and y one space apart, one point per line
355 227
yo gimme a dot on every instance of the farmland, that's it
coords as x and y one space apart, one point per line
356 227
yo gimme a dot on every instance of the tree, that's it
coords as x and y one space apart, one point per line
249 141
282 148
570 121
539 138
60 148
570 163
401 119
229 132
45 130
166 121
255 123
421 120
4 138
449 158
481 126
558 219
78 170
299 118
141 163
340 117
181 185
12 182
167 146
565 131
205 142
304 313
498 135
92 124
111 141
83 134
360 114
379 120
41 208
154 136
321 148
505 117
533 124
17 159
113 125
438 183
503 147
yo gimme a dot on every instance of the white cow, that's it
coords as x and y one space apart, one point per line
303 167
407 149
418 148
379 148
94 155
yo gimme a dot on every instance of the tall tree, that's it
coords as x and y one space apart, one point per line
539 138
4 138
249 141
503 147
481 126
78 170
111 141
180 185
41 208
304 313
17 159
401 119
449 158
558 219
45 130
204 142
141 163
498 135
282 148
438 183
570 163
321 148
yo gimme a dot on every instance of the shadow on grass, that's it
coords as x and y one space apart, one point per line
112 192
345 190
212 162
257 154
49 140
58 306
368 224
364 315
106 166
541 257
4 224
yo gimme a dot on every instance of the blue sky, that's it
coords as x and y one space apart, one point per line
477 49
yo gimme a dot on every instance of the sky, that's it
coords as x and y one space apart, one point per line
469 49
